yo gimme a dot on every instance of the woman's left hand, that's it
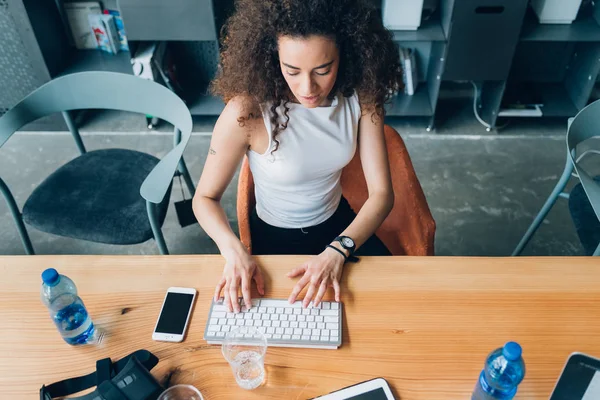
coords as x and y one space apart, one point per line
319 273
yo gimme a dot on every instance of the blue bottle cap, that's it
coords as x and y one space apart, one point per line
50 277
512 351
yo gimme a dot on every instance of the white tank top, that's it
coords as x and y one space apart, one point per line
298 185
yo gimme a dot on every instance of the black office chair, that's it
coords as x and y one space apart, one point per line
113 196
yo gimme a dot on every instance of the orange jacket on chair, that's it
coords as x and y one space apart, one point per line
409 229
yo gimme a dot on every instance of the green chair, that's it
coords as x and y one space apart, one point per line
113 196
584 198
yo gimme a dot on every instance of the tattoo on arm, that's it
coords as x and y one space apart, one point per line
212 151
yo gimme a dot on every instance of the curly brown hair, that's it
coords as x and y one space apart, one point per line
249 63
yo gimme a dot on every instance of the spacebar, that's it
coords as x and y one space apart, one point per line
279 303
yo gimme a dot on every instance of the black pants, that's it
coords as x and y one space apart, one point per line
269 239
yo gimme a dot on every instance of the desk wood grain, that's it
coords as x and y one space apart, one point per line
424 324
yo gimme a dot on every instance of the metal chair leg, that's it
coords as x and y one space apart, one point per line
74 131
17 216
597 252
560 186
156 231
186 177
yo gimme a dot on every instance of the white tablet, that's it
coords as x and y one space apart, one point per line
375 389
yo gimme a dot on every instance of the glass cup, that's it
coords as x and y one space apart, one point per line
181 392
244 349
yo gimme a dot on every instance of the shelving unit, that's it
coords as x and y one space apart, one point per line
96 60
555 66
501 47
429 43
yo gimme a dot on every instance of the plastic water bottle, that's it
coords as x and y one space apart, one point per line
504 369
67 310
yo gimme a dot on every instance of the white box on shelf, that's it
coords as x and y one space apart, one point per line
556 11
404 15
77 16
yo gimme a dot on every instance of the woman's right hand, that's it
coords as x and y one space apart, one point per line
240 269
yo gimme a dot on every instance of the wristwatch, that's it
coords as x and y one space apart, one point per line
347 243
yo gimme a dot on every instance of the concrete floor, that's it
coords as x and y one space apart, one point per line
483 188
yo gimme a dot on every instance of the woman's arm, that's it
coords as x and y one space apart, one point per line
326 269
228 145
374 160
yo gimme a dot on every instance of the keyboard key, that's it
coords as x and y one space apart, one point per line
289 310
319 318
314 312
270 330
256 316
286 337
335 306
239 322
222 321
266 323
295 337
305 311
262 310
219 314
211 334
316 332
230 315
265 316
303 325
306 332
312 325
326 305
214 328
301 317
258 322
305 337
293 317
279 331
297 311
331 319
239 316
262 329
324 332
289 331
324 339
285 324
220 334
255 302
213 321
333 327
248 322
333 334
326 313
283 317
320 325
225 328
279 310
294 324
274 317
277 337
268 336
231 322
247 316
314 338
219 308
276 324
310 318
270 310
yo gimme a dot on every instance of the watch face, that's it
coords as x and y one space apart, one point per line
347 242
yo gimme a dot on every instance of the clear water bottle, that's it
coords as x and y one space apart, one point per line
504 369
67 310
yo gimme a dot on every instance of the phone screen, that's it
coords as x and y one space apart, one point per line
174 313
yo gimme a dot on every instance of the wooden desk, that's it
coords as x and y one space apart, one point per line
424 324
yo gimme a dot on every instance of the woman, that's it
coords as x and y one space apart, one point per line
305 82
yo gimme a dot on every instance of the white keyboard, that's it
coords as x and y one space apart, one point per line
283 324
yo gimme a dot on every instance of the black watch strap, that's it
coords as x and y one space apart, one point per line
350 258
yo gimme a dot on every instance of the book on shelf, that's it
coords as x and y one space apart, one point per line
409 70
78 24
